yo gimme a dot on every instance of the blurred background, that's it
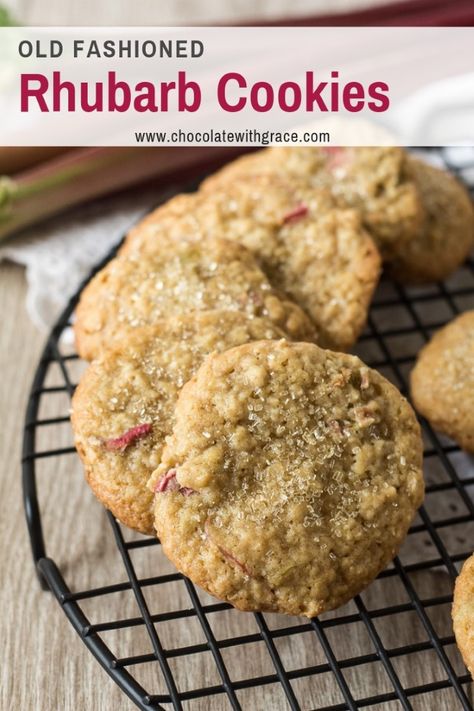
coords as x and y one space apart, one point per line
182 12
172 12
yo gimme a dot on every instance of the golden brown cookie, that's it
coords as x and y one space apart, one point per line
463 613
309 249
373 180
442 381
447 237
302 469
162 220
181 277
123 406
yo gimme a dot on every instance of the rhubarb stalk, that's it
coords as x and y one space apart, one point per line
85 174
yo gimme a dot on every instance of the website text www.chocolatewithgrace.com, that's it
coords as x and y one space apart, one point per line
248 136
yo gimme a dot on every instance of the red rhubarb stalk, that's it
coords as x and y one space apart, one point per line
226 553
127 438
84 174
296 214
336 156
168 482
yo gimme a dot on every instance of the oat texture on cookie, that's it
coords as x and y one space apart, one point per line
303 473
372 180
442 382
447 235
123 407
309 248
183 276
463 613
421 217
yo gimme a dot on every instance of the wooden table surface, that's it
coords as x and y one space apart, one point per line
45 666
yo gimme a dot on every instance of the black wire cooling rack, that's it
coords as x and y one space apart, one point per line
394 641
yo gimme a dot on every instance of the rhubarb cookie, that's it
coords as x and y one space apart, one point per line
442 382
463 613
166 219
123 406
181 277
302 473
447 236
308 248
373 180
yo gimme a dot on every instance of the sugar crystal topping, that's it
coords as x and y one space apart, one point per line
298 446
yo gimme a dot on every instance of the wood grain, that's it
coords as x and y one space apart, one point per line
46 666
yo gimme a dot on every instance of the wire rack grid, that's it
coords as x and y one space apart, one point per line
155 633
